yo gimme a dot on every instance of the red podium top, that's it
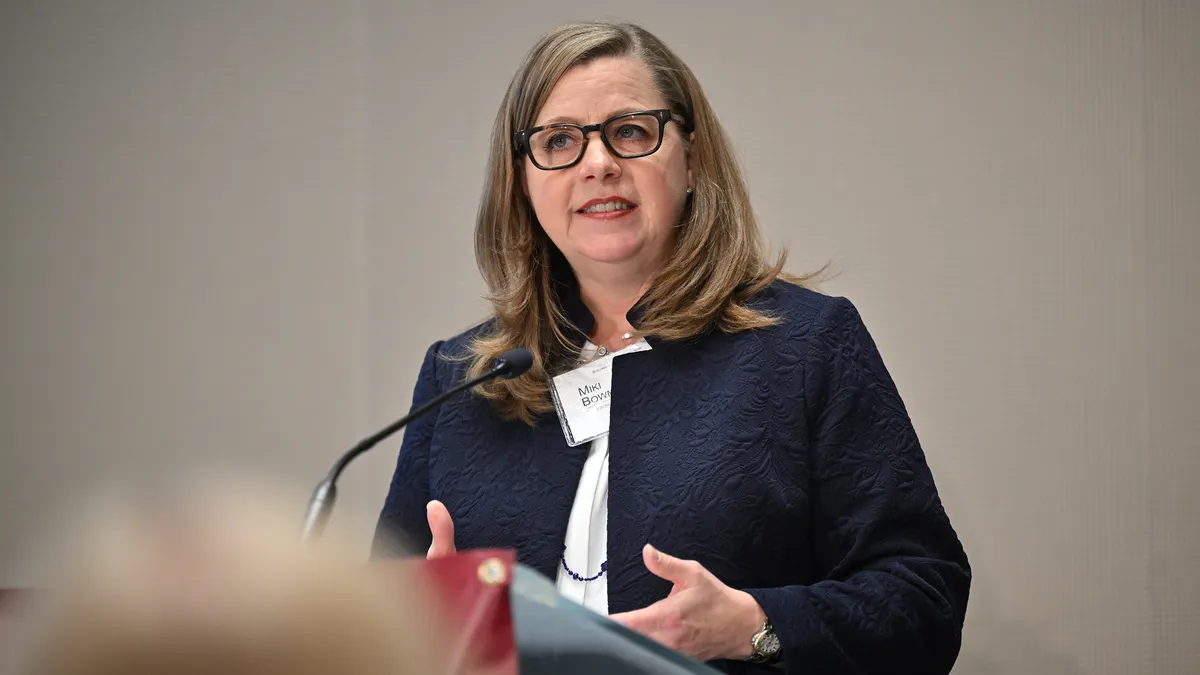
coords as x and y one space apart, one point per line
473 589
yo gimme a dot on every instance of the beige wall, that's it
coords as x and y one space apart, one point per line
230 229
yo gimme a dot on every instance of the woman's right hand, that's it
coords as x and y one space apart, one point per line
442 527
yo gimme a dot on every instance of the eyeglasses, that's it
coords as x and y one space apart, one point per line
628 136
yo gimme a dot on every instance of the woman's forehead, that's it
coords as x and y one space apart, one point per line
600 89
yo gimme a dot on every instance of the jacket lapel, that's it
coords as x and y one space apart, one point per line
635 497
558 467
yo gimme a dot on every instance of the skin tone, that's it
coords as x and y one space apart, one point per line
615 255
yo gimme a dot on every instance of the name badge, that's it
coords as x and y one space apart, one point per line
583 396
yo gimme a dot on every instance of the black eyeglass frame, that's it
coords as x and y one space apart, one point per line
664 115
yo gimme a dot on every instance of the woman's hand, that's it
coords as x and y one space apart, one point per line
442 527
701 617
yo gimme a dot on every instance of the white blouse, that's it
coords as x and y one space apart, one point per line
587 534
587 528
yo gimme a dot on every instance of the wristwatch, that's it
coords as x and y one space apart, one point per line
765 645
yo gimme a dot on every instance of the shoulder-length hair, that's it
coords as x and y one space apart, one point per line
718 261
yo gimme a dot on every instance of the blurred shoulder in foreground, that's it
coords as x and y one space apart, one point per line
218 581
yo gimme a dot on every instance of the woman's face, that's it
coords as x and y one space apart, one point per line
648 192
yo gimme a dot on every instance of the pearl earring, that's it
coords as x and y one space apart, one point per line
689 191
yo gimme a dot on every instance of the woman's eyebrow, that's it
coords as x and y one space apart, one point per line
568 119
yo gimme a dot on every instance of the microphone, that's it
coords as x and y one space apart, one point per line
512 363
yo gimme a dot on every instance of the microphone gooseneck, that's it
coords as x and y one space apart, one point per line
511 364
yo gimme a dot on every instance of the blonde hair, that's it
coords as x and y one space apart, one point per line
718 262
221 584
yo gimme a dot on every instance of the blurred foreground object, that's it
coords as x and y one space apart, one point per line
219 582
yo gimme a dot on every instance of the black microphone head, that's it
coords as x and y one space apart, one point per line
514 363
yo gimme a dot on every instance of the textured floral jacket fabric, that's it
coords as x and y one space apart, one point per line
781 459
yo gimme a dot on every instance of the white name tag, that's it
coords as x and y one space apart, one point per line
583 396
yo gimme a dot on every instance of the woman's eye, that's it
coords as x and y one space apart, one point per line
630 131
559 141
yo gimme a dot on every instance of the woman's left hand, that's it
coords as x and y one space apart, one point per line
701 617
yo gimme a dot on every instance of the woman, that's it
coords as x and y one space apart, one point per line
760 498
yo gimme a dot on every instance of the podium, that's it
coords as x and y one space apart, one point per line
556 635
511 620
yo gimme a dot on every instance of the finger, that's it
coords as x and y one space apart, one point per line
442 528
672 569
659 622
644 621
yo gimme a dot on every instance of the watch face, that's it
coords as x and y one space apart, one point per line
770 644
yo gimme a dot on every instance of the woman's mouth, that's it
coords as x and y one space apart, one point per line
608 210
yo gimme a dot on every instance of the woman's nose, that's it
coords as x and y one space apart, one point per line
598 162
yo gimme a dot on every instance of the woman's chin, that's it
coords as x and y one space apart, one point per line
611 252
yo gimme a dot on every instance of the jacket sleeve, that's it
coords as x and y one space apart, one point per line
402 528
895 578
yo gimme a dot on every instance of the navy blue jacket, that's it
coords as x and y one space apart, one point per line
781 459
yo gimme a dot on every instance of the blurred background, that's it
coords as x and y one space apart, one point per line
229 230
